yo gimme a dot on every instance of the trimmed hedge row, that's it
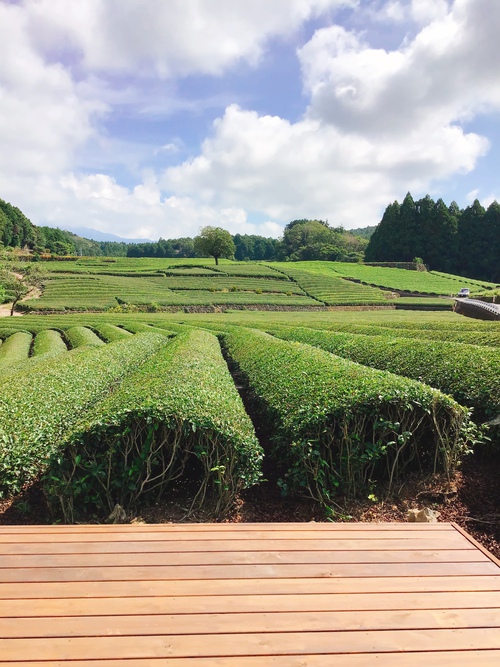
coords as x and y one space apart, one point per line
469 373
15 349
36 416
181 410
454 332
81 336
48 342
141 327
110 332
340 426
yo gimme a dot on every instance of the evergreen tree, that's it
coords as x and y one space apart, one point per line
382 246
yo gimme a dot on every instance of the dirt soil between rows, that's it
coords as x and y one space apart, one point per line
471 500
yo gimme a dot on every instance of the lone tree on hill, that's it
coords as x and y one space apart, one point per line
19 285
216 242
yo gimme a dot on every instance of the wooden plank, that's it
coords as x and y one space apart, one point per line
476 544
187 572
200 604
442 537
487 658
230 528
235 645
215 587
242 557
227 623
228 545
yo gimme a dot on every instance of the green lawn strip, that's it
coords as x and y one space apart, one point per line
328 287
469 373
36 416
423 282
339 426
181 404
48 342
79 336
482 284
15 348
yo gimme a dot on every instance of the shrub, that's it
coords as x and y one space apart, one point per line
36 416
48 342
15 349
82 336
181 406
338 426
110 332
469 373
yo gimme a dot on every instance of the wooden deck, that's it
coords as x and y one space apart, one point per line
247 595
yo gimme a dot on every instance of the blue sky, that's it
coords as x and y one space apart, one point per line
149 118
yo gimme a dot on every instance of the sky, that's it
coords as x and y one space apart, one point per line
154 118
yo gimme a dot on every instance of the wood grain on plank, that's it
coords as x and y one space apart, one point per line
258 622
214 587
235 645
213 604
242 557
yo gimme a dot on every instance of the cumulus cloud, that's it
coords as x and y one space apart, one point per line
439 78
142 211
378 123
43 116
171 38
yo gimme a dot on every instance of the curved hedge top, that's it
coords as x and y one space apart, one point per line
333 419
181 402
36 416
469 373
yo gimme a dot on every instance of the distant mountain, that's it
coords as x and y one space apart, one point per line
96 235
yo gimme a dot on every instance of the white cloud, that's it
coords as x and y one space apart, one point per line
379 122
177 37
43 118
439 78
97 201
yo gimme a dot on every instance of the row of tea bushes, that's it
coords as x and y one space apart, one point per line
490 337
340 426
469 373
80 336
181 411
15 349
141 327
110 332
48 343
36 416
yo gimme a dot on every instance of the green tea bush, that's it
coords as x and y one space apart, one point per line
15 349
80 336
452 332
48 342
469 373
36 416
141 327
181 406
111 332
339 426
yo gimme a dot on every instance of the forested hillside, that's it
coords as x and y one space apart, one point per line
460 241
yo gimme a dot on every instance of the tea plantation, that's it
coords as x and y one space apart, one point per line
105 401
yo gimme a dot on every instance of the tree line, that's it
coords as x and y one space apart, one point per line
302 240
464 242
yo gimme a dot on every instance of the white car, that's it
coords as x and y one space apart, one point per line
465 291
